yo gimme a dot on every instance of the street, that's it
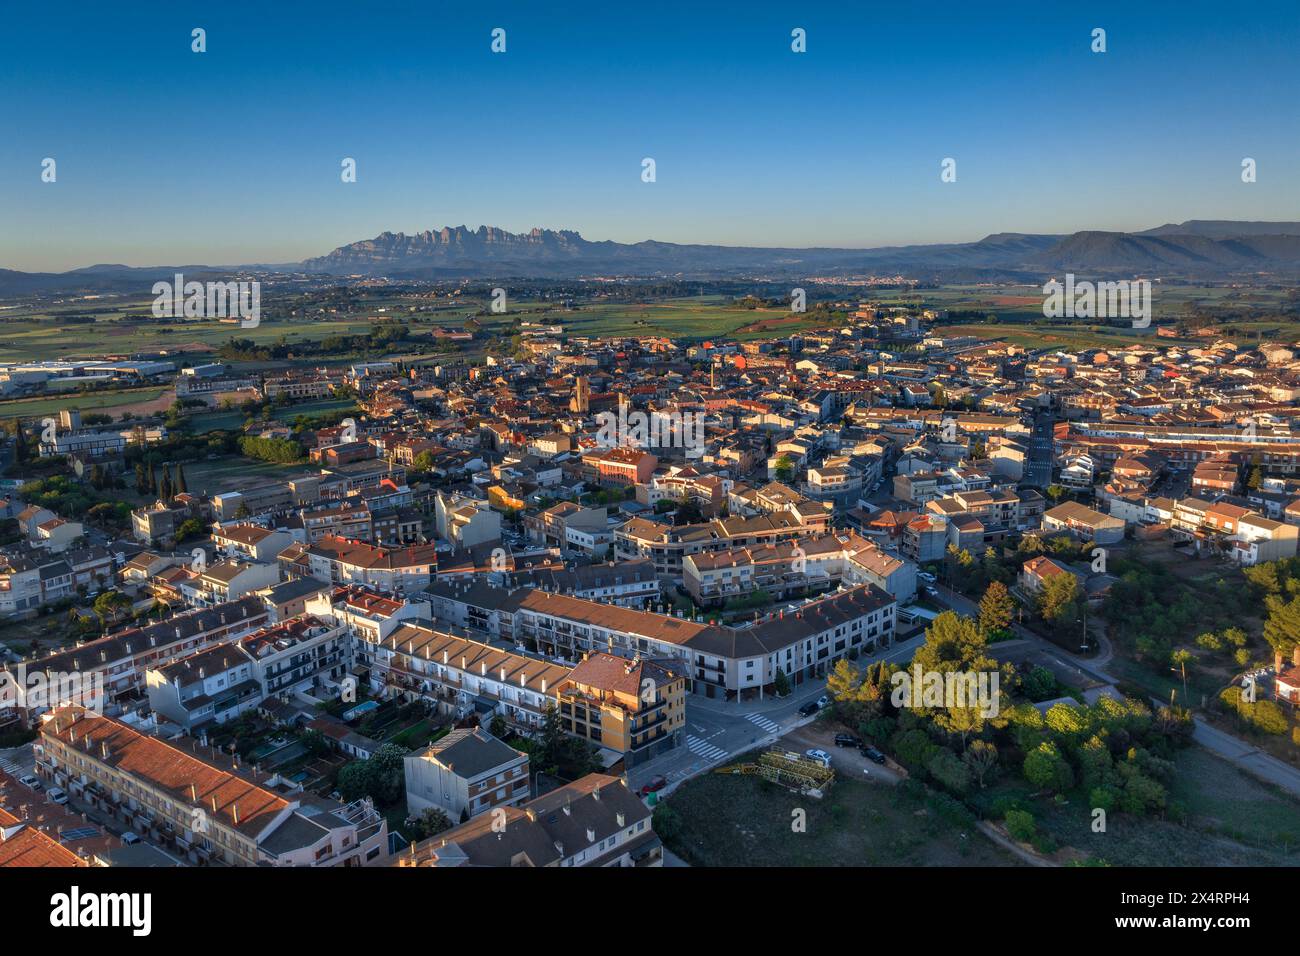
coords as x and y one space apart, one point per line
717 730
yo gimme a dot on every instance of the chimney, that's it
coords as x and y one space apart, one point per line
621 818
591 835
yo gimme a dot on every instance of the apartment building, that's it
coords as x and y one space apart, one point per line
220 683
1084 522
460 676
369 615
465 773
668 545
595 821
251 542
395 570
121 660
465 521
275 497
226 581
721 661
201 804
635 707
629 583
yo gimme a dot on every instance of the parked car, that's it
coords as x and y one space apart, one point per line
872 754
821 756
847 740
654 786
810 708
926 576
823 701
58 795
130 836
30 782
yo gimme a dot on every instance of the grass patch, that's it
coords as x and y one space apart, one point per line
732 820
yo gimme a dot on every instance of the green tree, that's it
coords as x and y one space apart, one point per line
110 606
182 487
430 823
1282 626
997 608
784 468
981 757
1058 600
780 683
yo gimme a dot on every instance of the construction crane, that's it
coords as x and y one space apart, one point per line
787 769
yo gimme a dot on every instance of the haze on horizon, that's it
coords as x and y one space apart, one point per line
233 156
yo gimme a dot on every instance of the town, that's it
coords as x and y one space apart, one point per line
400 611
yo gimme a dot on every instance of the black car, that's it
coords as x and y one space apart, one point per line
872 754
809 708
847 740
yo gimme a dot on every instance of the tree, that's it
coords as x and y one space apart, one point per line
996 608
141 479
1058 600
1046 768
1282 627
355 780
1020 824
1256 478
780 683
981 757
784 468
1055 492
153 480
499 727
22 454
430 823
110 606
165 490
181 486
843 681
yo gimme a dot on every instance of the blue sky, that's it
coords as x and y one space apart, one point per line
166 156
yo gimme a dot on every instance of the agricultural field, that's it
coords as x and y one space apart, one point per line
115 402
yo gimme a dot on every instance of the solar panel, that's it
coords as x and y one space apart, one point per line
80 833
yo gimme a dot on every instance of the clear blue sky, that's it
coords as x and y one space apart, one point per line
166 156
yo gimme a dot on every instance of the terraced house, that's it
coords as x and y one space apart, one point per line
122 660
201 804
460 676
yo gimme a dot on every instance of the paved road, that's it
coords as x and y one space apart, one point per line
717 730
1038 468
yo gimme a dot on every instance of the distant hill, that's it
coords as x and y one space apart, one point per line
1196 249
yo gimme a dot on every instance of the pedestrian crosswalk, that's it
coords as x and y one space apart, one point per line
771 726
11 768
702 748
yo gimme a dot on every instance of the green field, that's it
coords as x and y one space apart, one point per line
231 419
1232 820
235 474
105 402
745 821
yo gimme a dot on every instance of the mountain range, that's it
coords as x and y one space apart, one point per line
1196 249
